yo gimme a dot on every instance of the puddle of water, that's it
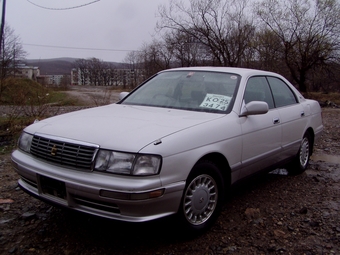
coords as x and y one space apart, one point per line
326 158
279 172
334 159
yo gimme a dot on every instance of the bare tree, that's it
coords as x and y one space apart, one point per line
150 57
93 71
11 54
166 53
105 74
308 30
268 51
114 79
325 78
132 59
223 26
82 67
185 50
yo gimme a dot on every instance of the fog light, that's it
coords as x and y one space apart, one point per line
132 196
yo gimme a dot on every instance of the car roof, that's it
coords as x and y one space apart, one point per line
235 70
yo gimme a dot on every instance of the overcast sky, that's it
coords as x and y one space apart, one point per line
112 26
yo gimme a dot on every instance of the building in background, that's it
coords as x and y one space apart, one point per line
99 77
107 77
53 80
28 72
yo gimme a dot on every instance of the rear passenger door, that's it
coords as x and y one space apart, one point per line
292 115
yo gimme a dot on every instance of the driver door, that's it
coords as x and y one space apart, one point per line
261 133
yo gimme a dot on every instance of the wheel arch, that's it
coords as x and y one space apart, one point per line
311 134
222 164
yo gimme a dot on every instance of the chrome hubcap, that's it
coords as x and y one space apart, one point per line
200 199
304 152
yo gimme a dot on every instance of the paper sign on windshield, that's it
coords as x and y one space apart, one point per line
217 102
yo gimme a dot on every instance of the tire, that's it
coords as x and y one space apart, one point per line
301 160
202 198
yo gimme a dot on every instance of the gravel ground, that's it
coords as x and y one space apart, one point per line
269 214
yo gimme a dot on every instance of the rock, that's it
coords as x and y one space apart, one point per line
4 221
28 215
316 179
303 210
253 214
314 224
329 103
13 250
6 201
290 228
326 215
279 233
272 248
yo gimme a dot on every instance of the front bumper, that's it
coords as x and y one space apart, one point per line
126 198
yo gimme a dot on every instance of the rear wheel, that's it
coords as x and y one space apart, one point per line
301 160
202 197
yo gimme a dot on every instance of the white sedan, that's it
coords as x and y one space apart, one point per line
172 146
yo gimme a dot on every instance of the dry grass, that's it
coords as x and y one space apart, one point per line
324 98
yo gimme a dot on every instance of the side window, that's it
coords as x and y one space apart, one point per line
258 90
282 93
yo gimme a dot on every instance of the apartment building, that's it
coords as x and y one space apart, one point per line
29 72
107 77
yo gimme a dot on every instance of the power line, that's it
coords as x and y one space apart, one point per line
74 48
62 9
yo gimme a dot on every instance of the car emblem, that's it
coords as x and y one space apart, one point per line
54 150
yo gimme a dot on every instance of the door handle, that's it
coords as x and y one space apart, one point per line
302 114
276 121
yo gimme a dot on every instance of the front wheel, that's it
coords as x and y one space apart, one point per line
301 160
202 197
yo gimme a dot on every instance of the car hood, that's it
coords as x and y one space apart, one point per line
120 127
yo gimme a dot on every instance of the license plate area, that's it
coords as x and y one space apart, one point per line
53 187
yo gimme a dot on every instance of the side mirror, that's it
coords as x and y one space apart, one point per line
254 108
122 95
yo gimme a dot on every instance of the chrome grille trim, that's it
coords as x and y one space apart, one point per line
64 152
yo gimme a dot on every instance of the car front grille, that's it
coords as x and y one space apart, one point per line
63 153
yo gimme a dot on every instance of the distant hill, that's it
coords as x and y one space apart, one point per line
54 66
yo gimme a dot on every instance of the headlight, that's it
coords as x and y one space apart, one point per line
146 165
25 141
127 163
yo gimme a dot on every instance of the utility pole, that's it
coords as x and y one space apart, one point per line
2 23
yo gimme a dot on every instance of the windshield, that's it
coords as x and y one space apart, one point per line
187 90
